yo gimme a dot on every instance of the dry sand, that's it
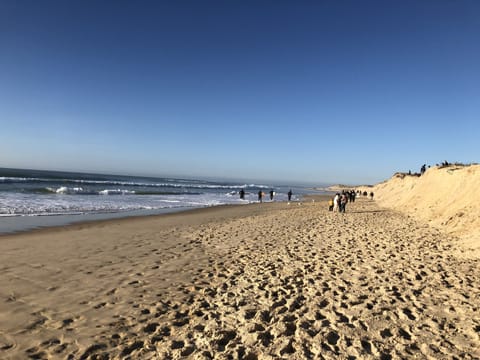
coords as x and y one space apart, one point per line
262 281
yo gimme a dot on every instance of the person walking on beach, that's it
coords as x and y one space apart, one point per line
260 195
289 195
242 194
272 193
352 196
343 202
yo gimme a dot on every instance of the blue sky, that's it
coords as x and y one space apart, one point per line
315 91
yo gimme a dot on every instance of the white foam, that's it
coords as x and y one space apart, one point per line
20 179
172 184
69 190
79 200
116 192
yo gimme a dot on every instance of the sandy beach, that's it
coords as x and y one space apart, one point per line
260 281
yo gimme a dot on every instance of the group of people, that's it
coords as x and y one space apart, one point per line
365 194
336 204
339 202
261 194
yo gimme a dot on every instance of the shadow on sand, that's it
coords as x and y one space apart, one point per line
365 211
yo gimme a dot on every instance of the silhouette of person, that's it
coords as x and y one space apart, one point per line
289 195
260 195
271 194
242 194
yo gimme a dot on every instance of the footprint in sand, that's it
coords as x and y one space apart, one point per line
6 343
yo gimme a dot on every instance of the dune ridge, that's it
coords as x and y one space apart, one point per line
443 197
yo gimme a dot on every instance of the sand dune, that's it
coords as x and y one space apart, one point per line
447 198
269 281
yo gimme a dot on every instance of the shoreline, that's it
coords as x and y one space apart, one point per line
45 223
259 281
24 224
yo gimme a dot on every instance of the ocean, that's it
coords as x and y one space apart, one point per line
36 198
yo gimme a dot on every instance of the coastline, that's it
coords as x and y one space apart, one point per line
24 224
259 281
188 214
50 223
37 198
21 224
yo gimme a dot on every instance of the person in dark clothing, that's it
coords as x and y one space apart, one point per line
423 169
242 194
343 202
289 195
260 195
271 195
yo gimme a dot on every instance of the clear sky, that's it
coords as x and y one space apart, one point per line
320 91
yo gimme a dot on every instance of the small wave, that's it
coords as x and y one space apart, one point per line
82 191
65 190
172 184
116 192
182 193
10 215
43 190
11 180
68 190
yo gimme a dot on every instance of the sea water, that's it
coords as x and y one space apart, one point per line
33 198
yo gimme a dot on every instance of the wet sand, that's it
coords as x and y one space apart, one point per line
261 281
